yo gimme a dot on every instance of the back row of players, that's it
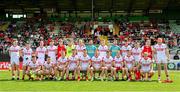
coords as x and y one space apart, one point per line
53 61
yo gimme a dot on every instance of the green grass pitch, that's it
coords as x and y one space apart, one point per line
6 84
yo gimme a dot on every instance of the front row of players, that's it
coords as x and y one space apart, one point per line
107 67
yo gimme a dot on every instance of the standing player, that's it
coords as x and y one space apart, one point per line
80 48
73 66
91 48
125 48
102 49
40 53
69 49
136 52
146 65
96 65
114 49
62 64
162 57
60 48
107 63
148 48
27 54
129 64
51 51
14 52
85 61
34 69
118 66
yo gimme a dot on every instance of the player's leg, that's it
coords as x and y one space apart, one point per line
105 72
88 73
166 71
67 73
24 71
143 75
112 73
92 73
55 68
102 73
159 68
62 72
78 69
13 70
150 74
159 71
115 73
17 69
28 74
130 73
123 72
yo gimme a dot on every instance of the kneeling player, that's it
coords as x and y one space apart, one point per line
146 67
47 68
34 70
73 66
85 62
62 65
118 66
107 63
129 64
96 66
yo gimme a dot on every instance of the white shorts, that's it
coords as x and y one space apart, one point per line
72 68
97 67
108 67
137 59
161 59
26 62
129 66
145 70
84 68
14 60
53 59
40 62
61 67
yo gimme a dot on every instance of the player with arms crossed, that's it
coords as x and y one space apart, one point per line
162 57
102 49
27 57
125 48
114 49
52 51
80 48
15 53
40 53
91 49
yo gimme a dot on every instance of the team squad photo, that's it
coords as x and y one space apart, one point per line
89 45
129 62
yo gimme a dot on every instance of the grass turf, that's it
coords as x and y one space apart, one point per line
6 84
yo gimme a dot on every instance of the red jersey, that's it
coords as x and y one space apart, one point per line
59 49
147 49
